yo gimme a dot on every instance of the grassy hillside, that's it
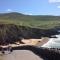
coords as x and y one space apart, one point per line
15 26
35 21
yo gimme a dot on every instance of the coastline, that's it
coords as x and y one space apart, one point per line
34 42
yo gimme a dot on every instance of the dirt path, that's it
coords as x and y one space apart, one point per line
20 55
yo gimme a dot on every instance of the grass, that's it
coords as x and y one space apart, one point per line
33 24
42 22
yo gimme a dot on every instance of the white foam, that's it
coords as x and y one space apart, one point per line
53 43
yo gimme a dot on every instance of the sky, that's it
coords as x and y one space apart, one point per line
31 7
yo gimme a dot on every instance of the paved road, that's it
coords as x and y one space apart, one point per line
20 55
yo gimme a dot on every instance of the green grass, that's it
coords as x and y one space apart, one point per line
43 22
33 24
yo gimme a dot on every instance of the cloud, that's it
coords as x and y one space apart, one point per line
30 14
58 6
8 10
54 1
27 13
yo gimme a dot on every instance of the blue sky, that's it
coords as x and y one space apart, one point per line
31 7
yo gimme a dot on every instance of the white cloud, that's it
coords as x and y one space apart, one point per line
58 6
28 13
54 1
8 10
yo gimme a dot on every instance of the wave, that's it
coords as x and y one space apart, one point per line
53 42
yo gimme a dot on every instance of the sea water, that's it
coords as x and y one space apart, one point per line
53 42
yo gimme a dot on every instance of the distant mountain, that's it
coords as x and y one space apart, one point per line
41 21
11 15
19 16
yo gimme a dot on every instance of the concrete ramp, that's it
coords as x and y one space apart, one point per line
20 55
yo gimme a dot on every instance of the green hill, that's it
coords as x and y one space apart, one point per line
34 21
15 26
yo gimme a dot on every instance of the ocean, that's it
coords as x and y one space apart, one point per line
53 42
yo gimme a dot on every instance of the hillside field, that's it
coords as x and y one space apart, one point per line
34 21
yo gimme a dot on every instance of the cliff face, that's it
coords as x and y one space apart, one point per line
9 33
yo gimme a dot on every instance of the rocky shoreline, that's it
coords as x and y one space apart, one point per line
10 33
